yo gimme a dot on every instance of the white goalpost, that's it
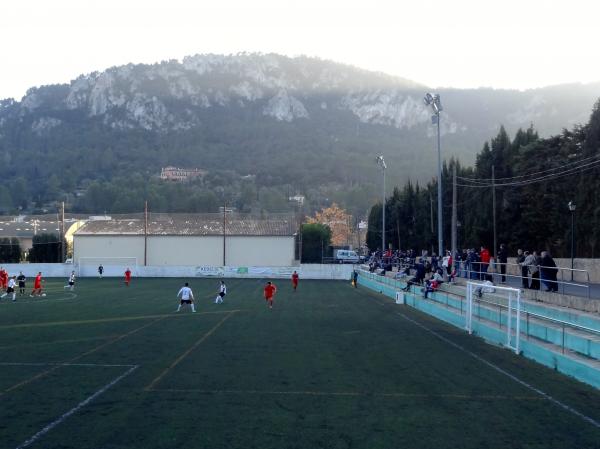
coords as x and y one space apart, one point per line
513 310
113 266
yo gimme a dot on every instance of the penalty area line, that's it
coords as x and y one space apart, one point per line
75 409
353 394
115 319
92 365
151 385
496 368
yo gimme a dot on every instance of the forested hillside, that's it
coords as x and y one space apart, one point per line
535 179
264 127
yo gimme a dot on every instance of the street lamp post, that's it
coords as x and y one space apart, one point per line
572 208
434 101
381 163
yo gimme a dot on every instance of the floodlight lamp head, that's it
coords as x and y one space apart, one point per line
572 206
381 162
428 99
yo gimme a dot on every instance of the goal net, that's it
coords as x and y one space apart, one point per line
113 266
506 303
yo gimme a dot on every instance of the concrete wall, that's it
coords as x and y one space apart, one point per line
108 246
184 250
307 271
190 250
256 251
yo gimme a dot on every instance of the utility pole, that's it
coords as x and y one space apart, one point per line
431 216
224 228
145 233
62 234
494 211
454 215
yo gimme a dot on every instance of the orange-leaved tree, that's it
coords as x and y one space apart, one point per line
338 221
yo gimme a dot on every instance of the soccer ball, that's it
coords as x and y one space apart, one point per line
43 294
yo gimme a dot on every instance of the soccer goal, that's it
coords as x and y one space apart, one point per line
512 308
113 266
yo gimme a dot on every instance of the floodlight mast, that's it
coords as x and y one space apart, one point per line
435 102
382 164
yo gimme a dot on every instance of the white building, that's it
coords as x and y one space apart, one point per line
189 241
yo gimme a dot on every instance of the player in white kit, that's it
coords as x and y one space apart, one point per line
10 290
222 293
187 297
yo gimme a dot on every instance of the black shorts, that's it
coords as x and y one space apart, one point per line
221 294
10 290
186 301
21 284
71 283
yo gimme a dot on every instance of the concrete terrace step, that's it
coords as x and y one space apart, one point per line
489 323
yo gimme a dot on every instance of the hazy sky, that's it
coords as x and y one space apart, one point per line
458 43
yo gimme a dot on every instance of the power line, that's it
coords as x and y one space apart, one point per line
482 180
570 171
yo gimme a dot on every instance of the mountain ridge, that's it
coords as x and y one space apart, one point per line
256 113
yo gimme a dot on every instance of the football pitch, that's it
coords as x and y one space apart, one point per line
330 366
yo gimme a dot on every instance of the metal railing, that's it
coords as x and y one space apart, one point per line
465 271
564 325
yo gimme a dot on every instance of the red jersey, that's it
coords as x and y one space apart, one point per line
270 290
295 278
128 274
37 283
485 256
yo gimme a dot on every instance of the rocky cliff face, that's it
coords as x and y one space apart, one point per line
172 97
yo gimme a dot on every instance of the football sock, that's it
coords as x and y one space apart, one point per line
193 308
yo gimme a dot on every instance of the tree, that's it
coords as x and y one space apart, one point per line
46 249
316 238
10 250
337 220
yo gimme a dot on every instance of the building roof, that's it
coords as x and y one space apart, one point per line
27 228
198 226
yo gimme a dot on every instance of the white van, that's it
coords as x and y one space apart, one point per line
346 256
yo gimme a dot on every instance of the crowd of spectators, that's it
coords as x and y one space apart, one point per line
535 269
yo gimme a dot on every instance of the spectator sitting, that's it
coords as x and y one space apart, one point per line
418 277
403 273
433 283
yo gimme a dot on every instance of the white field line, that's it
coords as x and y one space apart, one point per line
75 409
93 365
35 300
495 367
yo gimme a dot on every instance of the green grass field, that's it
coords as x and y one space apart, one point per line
328 367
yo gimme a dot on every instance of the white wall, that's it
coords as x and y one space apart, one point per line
184 250
306 271
259 251
189 250
108 246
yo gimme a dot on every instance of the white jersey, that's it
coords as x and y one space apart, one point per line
11 283
72 278
223 289
186 293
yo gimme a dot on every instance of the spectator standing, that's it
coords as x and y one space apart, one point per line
548 272
484 256
534 269
502 259
521 258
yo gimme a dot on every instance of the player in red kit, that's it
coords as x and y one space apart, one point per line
3 278
270 290
37 286
295 280
127 277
